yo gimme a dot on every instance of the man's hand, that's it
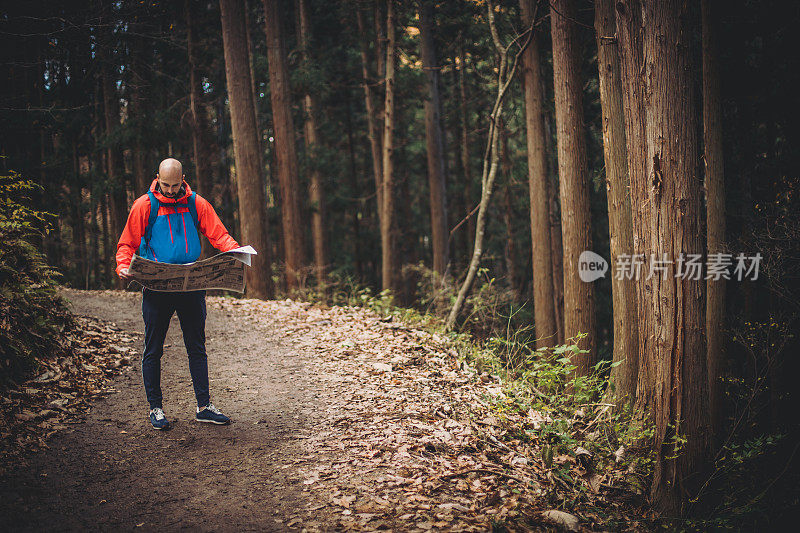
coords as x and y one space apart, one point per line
124 275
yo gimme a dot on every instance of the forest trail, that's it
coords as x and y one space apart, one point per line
113 472
342 420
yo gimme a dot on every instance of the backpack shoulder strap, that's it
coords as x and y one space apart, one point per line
192 203
154 205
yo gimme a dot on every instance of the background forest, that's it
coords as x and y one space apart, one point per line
360 146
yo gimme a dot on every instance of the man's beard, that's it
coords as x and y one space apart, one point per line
178 194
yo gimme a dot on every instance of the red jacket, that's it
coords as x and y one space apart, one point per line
209 224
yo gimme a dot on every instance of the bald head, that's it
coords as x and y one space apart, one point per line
170 177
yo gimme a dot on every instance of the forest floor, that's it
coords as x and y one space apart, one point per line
342 420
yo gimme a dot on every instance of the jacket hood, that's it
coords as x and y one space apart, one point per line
161 198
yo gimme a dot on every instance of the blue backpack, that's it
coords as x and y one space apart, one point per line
162 242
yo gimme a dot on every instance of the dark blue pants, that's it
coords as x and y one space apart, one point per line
157 310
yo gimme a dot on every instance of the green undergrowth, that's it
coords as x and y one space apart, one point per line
32 315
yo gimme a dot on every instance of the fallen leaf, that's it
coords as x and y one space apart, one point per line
344 501
560 518
382 367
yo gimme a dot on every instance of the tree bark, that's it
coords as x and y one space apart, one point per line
665 191
202 175
626 333
285 150
465 152
629 36
573 180
79 252
433 139
544 312
246 147
94 242
108 257
388 229
672 151
373 133
140 183
354 187
508 213
556 247
381 42
315 188
138 113
118 202
227 179
715 209
252 66
201 182
96 227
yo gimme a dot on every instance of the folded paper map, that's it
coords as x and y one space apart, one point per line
223 271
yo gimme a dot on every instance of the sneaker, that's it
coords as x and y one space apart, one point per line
211 414
158 419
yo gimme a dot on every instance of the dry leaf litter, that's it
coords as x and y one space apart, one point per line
61 392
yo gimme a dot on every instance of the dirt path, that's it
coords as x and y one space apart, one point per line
114 472
343 420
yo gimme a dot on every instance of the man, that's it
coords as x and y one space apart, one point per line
171 236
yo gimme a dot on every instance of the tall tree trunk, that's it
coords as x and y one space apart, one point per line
573 180
197 108
381 43
663 165
97 170
140 182
138 111
465 152
78 223
373 133
543 302
48 139
202 168
388 226
681 399
225 176
354 187
246 147
556 247
94 242
266 147
433 140
508 213
629 36
118 201
108 256
715 209
408 241
285 149
626 333
316 191
251 64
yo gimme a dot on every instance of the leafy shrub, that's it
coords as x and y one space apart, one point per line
32 315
